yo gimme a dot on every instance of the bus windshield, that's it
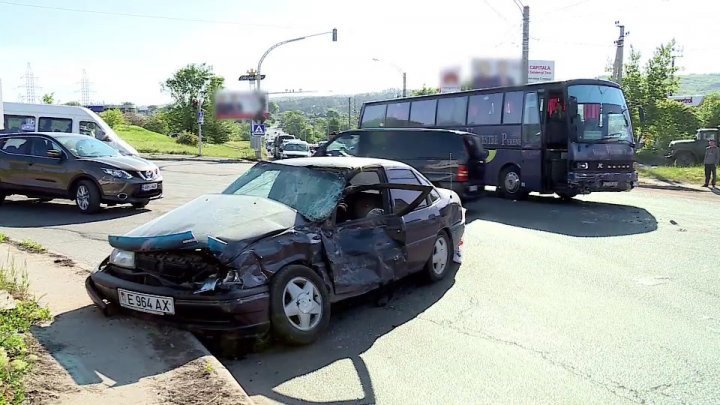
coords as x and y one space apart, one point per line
602 114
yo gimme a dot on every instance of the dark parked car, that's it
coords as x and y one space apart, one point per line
76 167
280 244
449 159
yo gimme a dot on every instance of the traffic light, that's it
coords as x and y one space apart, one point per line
334 32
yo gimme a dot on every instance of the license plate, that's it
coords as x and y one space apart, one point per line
150 186
610 183
472 188
154 304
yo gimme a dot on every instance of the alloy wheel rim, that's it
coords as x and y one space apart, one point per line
439 257
302 304
83 197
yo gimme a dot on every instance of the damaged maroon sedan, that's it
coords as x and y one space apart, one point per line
280 244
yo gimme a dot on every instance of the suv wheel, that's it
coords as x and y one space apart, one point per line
684 159
87 197
441 258
511 184
566 196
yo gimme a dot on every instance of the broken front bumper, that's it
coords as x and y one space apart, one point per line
243 312
589 182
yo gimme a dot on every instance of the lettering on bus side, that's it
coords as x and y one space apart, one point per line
506 136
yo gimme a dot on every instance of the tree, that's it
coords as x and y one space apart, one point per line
188 84
48 98
674 120
293 122
273 108
73 103
157 122
333 125
709 111
633 86
425 91
113 117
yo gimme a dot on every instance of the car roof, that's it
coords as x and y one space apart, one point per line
341 162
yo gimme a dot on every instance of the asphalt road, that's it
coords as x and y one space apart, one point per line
614 298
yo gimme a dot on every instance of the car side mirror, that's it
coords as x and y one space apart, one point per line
54 154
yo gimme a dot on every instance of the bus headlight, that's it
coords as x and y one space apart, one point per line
581 165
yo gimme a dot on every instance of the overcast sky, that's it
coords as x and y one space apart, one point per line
127 57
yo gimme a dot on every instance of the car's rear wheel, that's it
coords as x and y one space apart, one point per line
87 197
299 305
140 205
511 184
441 258
2 198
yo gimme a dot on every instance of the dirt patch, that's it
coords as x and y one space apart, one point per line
198 383
62 260
47 381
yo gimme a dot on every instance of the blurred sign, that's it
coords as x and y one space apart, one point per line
257 128
450 80
256 141
200 117
541 71
690 101
241 105
493 72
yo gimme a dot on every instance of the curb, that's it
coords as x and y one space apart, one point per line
188 158
669 187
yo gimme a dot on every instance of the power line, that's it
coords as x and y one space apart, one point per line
497 13
156 17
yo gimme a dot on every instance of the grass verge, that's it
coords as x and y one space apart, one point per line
692 175
31 246
151 142
16 356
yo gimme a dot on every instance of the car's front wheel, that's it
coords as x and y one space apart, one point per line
440 261
684 159
299 305
87 197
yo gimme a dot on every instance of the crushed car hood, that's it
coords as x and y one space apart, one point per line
211 221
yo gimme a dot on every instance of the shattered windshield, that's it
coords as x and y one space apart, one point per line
312 193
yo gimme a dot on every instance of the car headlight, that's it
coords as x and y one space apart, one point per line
122 258
120 174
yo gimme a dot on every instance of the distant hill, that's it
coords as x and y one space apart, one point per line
697 84
318 105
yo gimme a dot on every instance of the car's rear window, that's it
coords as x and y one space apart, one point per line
411 145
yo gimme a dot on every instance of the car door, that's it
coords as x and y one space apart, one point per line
368 252
14 160
422 223
46 173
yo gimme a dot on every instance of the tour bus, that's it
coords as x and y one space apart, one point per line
572 137
22 117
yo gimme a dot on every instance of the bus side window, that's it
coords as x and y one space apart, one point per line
531 121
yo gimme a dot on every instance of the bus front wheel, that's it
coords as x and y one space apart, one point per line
511 184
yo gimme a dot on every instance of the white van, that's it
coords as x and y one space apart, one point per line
22 117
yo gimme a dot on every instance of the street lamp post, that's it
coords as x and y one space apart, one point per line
262 58
401 71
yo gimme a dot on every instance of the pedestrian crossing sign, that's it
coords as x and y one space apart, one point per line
258 128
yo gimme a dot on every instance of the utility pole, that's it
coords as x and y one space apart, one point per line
30 87
620 43
349 112
525 43
404 84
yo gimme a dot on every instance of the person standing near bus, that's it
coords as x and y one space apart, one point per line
712 158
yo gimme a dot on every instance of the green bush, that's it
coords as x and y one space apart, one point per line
157 122
187 138
134 119
114 117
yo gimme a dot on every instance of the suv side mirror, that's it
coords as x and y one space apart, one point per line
55 154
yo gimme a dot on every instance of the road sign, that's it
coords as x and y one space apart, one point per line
251 77
257 128
200 117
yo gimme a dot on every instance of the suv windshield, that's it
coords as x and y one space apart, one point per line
297 147
313 193
86 147
602 114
